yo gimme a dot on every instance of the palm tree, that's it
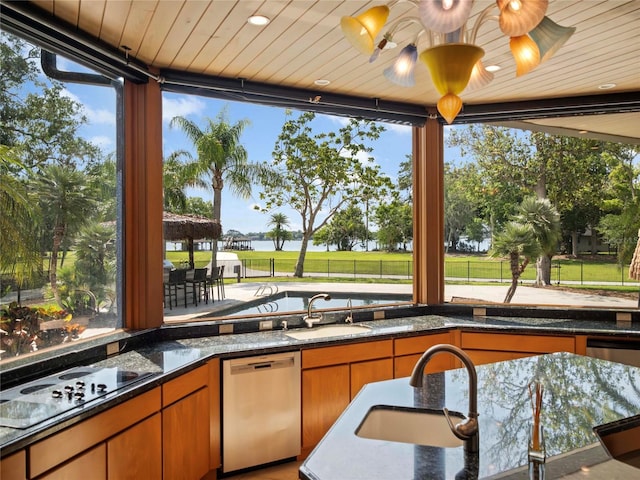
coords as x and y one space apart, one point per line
220 159
545 221
518 242
174 184
19 252
279 221
68 202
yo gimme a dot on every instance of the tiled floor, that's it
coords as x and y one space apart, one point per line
285 471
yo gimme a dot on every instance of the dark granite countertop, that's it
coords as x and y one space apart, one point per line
581 393
172 351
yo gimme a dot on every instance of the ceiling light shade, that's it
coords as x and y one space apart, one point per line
519 17
526 54
450 65
480 77
549 37
362 30
401 72
444 16
449 107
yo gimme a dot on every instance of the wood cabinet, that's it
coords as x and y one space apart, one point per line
332 376
185 426
495 347
14 466
68 444
136 452
408 351
91 464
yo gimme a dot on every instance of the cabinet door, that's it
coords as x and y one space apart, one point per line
136 452
215 432
14 467
371 371
325 394
496 347
409 350
91 464
185 436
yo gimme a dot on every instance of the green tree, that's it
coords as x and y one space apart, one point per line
19 252
459 207
198 206
545 221
506 169
319 173
621 219
517 242
405 178
279 234
67 202
221 161
96 259
345 230
395 224
174 184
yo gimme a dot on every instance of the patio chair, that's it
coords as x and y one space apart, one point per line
198 285
177 281
218 281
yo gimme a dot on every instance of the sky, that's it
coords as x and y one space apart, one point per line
259 137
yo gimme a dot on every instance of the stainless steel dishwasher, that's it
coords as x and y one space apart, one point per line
261 410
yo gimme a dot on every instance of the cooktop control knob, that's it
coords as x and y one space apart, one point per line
56 394
102 388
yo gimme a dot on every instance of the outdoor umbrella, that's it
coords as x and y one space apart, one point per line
189 228
634 268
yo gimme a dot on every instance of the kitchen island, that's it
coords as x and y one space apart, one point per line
580 394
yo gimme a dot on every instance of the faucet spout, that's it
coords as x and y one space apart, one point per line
468 429
312 318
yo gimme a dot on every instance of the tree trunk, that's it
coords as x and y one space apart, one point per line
543 271
217 200
299 272
594 242
58 235
574 244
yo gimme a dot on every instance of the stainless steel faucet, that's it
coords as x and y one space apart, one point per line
349 318
311 318
467 430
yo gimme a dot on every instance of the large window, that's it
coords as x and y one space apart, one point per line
307 204
59 197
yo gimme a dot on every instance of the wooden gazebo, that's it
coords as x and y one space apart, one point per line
189 228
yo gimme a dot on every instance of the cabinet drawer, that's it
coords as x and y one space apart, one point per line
517 343
183 385
59 447
410 345
341 354
14 467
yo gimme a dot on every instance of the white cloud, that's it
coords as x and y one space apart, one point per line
400 129
181 107
102 141
95 116
361 156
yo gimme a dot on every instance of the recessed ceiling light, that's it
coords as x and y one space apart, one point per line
259 20
321 82
583 131
606 86
492 68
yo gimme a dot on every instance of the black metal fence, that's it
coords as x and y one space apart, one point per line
574 272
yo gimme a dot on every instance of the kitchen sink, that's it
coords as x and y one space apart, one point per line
328 331
410 425
621 440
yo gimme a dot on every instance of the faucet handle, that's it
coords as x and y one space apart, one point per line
465 429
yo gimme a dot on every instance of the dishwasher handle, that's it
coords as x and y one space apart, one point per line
253 365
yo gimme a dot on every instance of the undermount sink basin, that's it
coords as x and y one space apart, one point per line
410 425
621 440
329 331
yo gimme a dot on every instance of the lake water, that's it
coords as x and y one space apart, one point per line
289 246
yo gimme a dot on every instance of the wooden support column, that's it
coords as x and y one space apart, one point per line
428 213
143 291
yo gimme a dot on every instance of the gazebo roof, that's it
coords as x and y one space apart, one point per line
182 227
